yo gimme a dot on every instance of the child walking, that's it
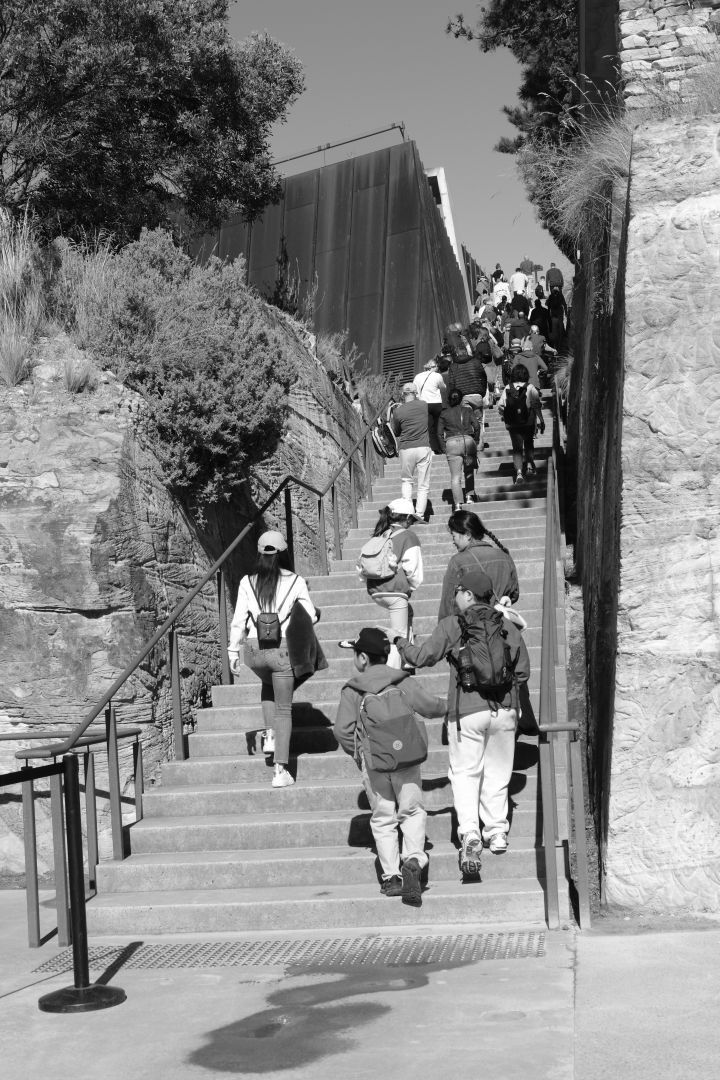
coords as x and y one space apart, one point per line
395 797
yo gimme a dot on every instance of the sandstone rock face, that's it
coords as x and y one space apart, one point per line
95 553
659 39
663 845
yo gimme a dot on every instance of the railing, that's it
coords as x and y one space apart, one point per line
77 738
64 781
560 747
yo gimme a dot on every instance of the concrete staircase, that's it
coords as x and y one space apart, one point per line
219 850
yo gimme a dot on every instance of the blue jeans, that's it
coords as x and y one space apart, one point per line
272 666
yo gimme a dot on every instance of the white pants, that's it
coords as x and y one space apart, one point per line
416 459
397 606
396 799
481 764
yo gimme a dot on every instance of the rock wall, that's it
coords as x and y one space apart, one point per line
94 553
663 843
662 42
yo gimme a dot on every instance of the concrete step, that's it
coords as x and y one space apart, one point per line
531 511
306 796
256 769
519 900
330 632
347 587
532 636
437 550
233 731
200 870
340 668
285 829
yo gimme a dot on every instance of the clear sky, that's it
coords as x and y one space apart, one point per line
369 63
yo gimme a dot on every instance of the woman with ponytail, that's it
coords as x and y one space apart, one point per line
273 588
474 551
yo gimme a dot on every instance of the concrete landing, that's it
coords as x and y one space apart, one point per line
626 999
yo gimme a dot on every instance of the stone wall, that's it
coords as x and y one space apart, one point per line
662 42
94 553
663 842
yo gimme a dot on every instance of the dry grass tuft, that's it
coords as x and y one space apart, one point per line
22 306
79 375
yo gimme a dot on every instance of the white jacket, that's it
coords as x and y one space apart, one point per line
290 588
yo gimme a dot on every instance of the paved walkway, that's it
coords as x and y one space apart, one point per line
633 999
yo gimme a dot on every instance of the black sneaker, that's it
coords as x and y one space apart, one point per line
411 887
392 886
530 468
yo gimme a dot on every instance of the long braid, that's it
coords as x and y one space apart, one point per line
494 539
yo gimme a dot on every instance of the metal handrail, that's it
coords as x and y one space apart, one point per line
554 732
67 744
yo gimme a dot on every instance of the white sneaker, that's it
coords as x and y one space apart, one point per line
267 741
498 843
282 777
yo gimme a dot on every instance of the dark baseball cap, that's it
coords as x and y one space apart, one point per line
477 582
370 640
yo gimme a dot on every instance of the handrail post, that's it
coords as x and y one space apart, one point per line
139 778
289 527
91 818
223 625
322 538
549 795
114 783
61 885
336 520
368 469
32 898
81 997
178 735
578 820
353 496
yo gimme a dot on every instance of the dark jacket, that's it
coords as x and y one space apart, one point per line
304 651
457 420
468 376
498 566
446 638
370 681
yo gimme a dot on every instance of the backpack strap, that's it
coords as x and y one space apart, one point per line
257 599
477 560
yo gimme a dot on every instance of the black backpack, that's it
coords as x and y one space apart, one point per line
484 646
383 436
517 410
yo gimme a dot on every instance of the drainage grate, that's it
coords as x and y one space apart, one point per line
372 950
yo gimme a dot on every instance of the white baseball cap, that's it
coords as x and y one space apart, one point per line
270 543
401 506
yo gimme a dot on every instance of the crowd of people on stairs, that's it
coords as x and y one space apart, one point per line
502 359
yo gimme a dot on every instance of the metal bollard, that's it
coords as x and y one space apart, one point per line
81 997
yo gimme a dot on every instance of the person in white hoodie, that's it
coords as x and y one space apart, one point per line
272 588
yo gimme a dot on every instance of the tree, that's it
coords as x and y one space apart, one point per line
543 36
112 111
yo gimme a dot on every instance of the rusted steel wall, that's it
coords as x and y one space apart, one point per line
369 232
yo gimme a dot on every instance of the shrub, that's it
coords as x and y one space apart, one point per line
196 343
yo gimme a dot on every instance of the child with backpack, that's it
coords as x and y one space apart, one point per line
488 659
376 724
391 564
520 409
